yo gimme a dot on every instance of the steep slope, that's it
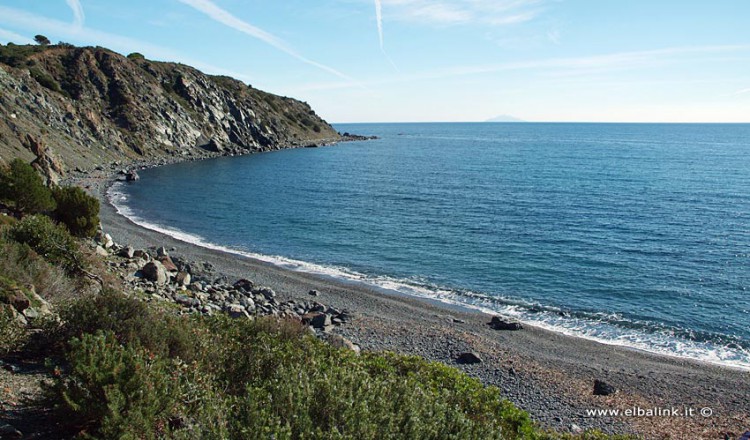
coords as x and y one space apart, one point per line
91 106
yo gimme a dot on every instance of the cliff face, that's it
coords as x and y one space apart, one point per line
91 106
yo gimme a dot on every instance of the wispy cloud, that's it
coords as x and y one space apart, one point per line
560 66
226 18
444 12
78 16
741 92
36 23
12 37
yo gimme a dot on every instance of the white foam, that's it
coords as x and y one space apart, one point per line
659 342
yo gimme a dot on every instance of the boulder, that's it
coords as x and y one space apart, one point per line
31 313
237 311
317 320
243 284
154 271
161 252
132 176
101 251
313 293
141 254
267 292
339 341
187 301
127 252
468 358
498 323
167 263
602 388
182 279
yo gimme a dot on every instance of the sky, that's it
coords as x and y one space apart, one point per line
437 60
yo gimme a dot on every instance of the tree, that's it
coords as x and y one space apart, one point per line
136 56
42 40
77 210
23 189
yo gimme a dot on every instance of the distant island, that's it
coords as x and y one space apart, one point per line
504 118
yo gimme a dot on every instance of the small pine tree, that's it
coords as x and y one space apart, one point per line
22 189
77 210
42 40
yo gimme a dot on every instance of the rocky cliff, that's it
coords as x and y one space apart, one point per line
88 107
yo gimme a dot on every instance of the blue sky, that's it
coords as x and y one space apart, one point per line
438 60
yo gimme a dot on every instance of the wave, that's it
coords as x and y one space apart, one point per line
605 328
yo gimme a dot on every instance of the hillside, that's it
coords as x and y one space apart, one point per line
91 106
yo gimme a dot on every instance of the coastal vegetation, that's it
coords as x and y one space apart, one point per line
121 367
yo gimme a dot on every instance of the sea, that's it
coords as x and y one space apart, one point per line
628 234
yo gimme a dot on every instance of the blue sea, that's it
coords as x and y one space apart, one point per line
628 234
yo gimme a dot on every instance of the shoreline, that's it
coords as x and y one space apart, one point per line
547 373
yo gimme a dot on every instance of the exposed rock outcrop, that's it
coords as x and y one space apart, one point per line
93 107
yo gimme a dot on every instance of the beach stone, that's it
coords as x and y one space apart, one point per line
167 262
187 301
154 271
313 293
267 292
244 285
602 388
237 311
498 323
317 319
127 252
141 254
468 358
182 279
31 313
339 341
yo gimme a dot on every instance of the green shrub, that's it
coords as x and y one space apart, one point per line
77 210
23 189
131 321
222 378
115 391
136 56
45 80
52 242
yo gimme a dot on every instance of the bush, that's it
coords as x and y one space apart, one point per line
77 210
222 378
23 189
115 391
45 80
132 322
52 242
136 56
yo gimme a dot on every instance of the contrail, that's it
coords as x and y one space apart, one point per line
379 17
78 15
224 17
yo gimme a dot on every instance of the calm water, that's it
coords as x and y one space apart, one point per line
631 234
